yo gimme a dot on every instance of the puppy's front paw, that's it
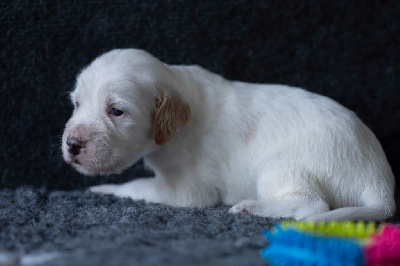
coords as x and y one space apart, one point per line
141 189
104 189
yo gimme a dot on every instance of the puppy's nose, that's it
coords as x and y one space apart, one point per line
75 146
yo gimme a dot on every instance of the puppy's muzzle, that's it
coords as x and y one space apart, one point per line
75 146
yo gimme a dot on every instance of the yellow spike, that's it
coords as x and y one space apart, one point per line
347 229
371 228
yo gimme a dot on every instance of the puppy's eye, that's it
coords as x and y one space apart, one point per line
117 112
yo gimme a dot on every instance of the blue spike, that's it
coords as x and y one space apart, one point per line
289 247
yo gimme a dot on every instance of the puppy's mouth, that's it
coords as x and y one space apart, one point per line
90 168
80 164
71 159
81 167
92 162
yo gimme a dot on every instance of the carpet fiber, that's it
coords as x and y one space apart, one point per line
78 228
346 50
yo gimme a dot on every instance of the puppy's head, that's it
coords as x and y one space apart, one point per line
125 106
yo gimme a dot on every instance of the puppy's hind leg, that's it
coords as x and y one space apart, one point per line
292 205
284 194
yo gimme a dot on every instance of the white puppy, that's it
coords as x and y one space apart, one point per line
269 150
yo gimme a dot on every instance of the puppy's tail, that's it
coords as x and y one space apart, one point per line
376 213
375 205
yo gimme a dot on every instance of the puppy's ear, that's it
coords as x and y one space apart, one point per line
172 115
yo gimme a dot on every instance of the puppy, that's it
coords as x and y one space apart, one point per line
269 150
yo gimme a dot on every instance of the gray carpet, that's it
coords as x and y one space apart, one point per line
40 227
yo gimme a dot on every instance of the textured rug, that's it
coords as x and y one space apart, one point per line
39 227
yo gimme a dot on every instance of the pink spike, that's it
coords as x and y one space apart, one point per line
384 248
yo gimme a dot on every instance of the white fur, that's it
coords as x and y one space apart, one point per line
269 150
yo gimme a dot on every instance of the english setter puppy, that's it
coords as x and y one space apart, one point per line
268 150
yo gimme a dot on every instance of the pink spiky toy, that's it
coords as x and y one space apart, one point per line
384 247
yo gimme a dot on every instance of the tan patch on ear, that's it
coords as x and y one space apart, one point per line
171 116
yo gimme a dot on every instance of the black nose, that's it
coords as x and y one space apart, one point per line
74 146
